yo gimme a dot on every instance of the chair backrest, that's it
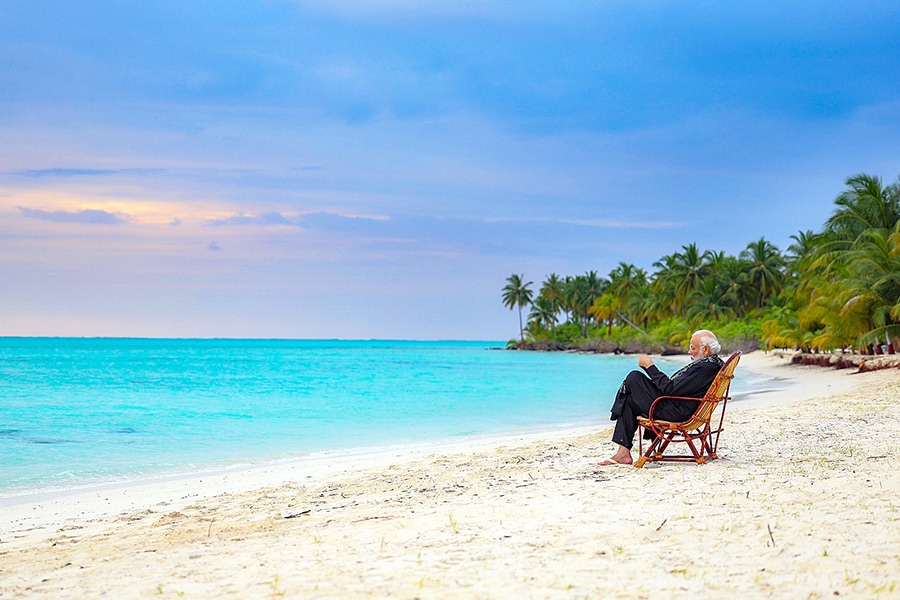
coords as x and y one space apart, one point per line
718 391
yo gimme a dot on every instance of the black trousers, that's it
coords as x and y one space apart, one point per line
634 398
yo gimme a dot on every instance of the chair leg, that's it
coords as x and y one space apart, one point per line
706 447
640 436
651 452
698 456
663 443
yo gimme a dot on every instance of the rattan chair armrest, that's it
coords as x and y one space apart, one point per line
679 398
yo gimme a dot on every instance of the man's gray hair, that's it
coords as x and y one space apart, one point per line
708 338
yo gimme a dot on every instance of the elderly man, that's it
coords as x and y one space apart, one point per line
638 392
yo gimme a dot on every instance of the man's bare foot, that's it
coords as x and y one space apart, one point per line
621 457
611 462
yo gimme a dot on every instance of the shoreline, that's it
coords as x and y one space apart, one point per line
224 479
218 476
547 475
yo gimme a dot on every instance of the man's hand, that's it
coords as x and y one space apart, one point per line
645 361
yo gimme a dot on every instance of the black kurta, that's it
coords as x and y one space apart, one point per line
638 392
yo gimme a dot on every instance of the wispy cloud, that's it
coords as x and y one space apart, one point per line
370 224
595 223
70 172
87 216
266 220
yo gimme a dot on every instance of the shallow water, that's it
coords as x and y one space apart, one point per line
77 410
80 411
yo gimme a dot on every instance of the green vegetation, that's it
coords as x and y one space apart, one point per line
517 293
836 289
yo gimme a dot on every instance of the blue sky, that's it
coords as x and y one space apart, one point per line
317 169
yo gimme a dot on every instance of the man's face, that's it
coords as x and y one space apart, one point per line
696 351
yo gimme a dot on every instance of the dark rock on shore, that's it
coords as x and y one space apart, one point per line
861 362
595 347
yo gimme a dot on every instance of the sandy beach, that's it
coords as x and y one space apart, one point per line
803 503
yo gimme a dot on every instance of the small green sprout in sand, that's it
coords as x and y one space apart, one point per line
275 591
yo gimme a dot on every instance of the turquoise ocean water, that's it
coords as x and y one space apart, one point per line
76 412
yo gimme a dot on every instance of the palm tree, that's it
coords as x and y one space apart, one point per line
846 283
605 308
820 316
766 272
663 283
689 271
677 275
872 285
581 291
542 314
624 282
644 305
708 301
728 276
553 290
781 329
593 286
800 251
867 204
517 293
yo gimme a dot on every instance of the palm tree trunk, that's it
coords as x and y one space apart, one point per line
650 337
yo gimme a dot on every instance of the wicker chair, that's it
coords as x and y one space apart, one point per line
697 432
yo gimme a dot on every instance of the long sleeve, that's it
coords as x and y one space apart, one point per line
691 381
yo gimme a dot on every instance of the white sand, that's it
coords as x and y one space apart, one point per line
803 504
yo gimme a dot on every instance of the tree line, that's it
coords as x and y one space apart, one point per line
837 288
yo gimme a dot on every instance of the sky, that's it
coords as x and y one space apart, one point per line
357 170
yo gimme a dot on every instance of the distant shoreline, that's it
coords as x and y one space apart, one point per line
861 362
